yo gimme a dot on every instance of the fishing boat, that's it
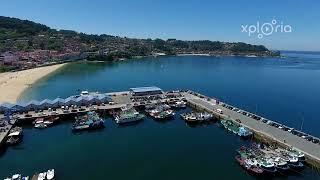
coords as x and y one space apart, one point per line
281 164
161 111
249 165
15 136
291 159
89 121
297 154
42 123
293 162
236 128
267 165
264 162
38 121
244 132
127 115
178 104
194 117
164 114
276 158
189 117
230 126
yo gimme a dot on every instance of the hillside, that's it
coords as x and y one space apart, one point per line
25 36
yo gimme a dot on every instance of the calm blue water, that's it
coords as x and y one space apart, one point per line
282 89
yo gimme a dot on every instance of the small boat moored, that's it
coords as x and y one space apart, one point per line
17 177
194 117
178 104
161 111
50 174
90 121
15 136
244 132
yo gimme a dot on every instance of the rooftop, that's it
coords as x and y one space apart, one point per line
145 89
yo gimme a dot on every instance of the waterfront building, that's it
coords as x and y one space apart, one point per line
58 102
145 91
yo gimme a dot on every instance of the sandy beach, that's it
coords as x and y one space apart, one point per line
12 84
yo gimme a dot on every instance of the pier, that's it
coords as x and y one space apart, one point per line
147 96
264 131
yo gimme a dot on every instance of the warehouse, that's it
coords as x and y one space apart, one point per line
145 91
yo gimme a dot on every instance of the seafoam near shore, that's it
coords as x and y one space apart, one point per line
12 84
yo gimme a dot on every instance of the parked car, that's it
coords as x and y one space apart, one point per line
315 141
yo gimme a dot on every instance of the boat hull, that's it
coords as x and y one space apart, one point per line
251 170
89 127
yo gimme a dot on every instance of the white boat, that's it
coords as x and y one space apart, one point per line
16 177
40 125
297 154
179 104
50 174
15 136
42 176
48 123
38 121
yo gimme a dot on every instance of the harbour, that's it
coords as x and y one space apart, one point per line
151 96
144 138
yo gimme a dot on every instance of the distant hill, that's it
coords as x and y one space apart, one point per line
24 35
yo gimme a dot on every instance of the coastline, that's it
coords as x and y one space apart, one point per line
12 84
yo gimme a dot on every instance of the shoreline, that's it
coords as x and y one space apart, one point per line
13 84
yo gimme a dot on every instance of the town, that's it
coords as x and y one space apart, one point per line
25 44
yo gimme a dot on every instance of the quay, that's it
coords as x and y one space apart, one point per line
139 97
263 131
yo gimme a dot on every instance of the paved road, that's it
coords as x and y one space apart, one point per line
307 147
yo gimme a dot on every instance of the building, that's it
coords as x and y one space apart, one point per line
1 59
145 91
47 103
10 58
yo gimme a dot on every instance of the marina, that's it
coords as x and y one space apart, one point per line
238 122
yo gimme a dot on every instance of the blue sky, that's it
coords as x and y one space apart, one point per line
186 20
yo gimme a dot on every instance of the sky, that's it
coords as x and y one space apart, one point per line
296 21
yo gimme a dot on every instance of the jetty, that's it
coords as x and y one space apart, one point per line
264 129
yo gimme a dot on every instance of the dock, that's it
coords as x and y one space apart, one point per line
263 131
4 132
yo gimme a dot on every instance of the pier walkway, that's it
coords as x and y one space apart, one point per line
310 149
